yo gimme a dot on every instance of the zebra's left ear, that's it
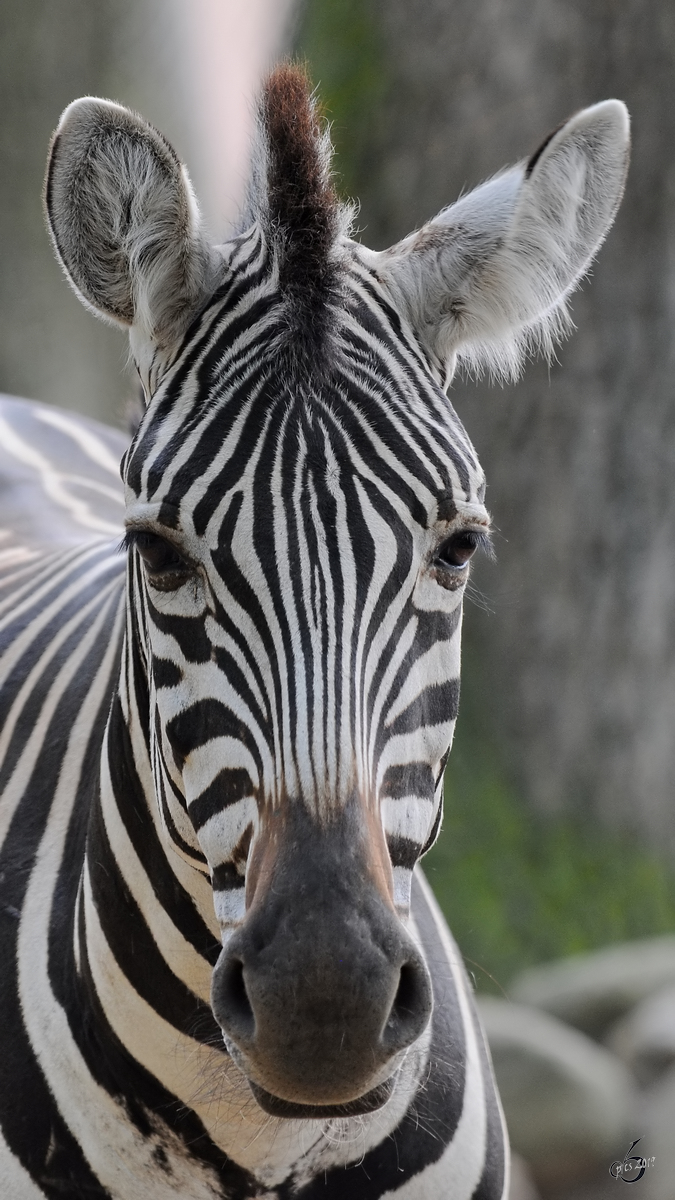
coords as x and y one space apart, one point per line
124 220
486 280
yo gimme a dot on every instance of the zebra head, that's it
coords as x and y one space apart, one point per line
302 506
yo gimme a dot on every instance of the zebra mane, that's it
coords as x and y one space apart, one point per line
292 195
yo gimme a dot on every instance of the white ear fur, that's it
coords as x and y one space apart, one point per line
124 220
486 280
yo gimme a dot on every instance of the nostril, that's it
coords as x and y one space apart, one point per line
233 1008
404 1000
411 1008
238 993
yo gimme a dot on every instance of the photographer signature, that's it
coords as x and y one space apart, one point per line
619 1170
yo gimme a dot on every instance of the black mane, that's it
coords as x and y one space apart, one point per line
296 202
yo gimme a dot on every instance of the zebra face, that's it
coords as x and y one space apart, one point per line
302 557
299 561
302 506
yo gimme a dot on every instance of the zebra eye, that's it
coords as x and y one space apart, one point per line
458 549
163 562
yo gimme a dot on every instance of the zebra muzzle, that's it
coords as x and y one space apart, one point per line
321 990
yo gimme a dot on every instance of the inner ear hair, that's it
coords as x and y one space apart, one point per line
487 280
124 220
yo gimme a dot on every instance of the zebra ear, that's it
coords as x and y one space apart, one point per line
486 280
124 220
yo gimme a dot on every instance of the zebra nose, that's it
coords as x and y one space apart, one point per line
407 1018
320 1026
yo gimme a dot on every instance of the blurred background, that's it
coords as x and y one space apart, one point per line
559 834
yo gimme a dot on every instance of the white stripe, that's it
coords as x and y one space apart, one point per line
53 481
93 446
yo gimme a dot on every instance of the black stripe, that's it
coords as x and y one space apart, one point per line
411 779
230 785
402 851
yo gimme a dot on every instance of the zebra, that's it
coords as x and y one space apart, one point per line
224 974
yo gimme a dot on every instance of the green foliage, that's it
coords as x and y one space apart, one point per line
519 889
340 41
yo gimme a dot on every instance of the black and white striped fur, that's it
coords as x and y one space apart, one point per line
222 975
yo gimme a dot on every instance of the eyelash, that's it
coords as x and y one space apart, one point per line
169 569
463 541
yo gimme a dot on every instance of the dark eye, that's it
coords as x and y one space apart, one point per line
157 554
458 549
163 562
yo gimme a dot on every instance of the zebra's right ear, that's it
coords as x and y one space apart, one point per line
124 220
